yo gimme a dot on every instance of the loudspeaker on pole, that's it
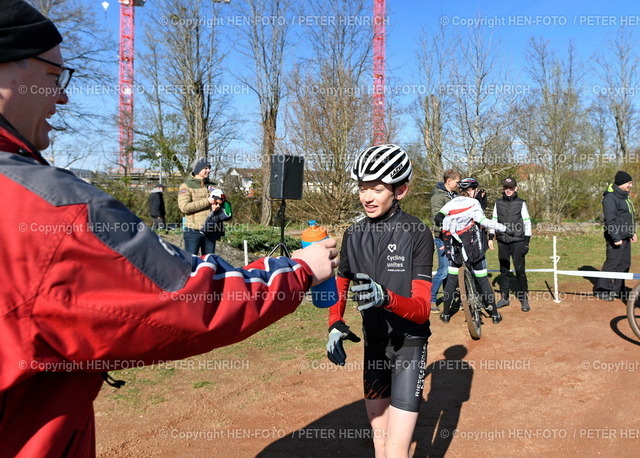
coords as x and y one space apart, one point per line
287 174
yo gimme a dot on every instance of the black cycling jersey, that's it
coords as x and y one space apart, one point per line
393 251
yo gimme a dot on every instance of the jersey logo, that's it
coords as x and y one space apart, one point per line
392 247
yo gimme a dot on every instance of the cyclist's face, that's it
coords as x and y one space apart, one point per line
377 197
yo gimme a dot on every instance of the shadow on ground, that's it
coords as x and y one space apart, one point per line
345 431
615 327
592 280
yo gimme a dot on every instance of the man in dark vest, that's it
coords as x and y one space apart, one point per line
619 231
512 211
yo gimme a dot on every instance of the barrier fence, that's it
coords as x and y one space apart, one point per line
576 273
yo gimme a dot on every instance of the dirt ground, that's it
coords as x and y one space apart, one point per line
559 380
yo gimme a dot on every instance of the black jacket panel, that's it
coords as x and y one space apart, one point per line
509 211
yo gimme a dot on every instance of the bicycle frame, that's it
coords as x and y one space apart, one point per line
470 300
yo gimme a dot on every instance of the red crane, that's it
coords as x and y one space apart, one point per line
125 107
379 18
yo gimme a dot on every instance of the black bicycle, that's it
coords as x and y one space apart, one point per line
633 310
470 301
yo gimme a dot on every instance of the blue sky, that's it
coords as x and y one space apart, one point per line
588 25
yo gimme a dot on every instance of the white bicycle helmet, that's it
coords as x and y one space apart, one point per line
387 163
216 193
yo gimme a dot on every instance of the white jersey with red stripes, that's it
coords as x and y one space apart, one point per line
462 213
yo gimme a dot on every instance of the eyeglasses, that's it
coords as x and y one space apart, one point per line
64 77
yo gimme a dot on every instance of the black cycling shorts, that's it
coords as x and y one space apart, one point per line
396 373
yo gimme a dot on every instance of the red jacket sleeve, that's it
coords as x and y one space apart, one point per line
85 281
416 308
336 312
93 304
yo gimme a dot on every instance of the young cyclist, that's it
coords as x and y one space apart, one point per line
389 256
459 219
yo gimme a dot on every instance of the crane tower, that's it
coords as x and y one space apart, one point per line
125 105
379 17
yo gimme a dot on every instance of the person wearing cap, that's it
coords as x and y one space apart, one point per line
102 291
195 201
512 211
156 208
619 232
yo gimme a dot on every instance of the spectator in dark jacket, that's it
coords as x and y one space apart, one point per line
619 231
156 208
442 193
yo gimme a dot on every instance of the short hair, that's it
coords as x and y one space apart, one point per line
450 175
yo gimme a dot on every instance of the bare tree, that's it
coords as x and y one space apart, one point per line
617 65
330 111
183 68
553 126
164 134
464 117
435 57
264 42
87 48
482 96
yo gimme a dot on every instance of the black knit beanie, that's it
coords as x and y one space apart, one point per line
198 165
24 32
622 178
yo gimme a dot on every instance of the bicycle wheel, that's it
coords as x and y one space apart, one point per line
470 302
633 310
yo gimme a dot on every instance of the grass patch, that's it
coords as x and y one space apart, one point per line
133 393
128 395
302 334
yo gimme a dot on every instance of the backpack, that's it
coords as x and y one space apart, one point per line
470 244
226 208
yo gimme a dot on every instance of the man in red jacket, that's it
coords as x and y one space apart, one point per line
86 287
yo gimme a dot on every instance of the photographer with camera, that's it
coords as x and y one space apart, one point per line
213 227
195 202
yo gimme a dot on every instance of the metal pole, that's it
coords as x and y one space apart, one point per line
555 271
282 249
159 156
